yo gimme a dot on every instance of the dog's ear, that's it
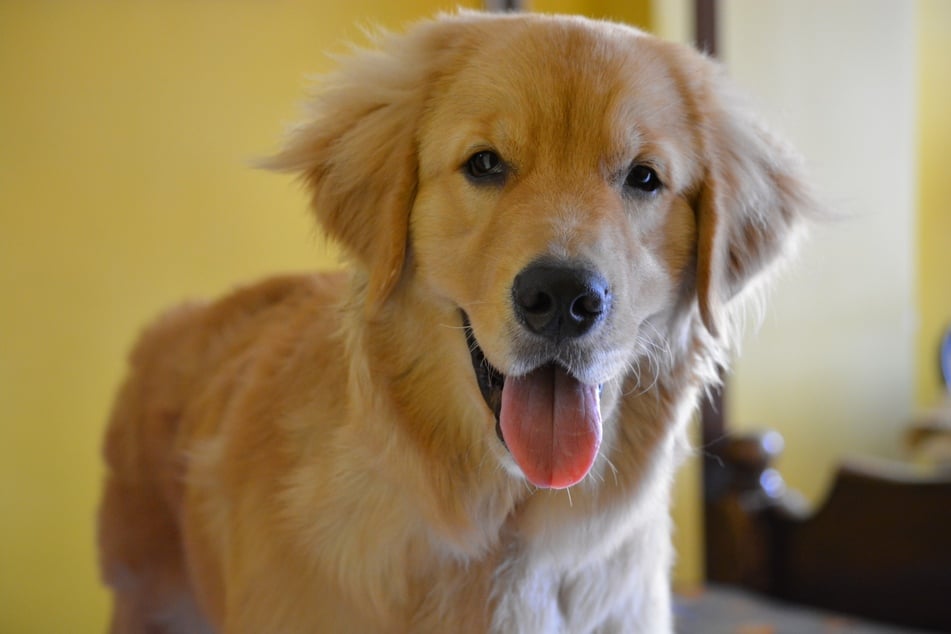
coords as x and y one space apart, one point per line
357 151
752 203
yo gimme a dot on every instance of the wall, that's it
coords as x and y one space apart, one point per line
636 12
832 367
125 129
934 192
857 85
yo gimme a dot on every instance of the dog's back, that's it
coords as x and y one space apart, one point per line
158 415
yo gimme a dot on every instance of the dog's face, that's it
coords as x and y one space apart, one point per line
570 189
549 205
549 211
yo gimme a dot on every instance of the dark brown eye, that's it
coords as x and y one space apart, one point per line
642 178
485 165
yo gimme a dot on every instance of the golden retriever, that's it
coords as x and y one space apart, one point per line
549 223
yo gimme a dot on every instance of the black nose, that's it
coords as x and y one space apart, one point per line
560 302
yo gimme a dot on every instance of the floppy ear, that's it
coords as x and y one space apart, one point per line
751 206
357 153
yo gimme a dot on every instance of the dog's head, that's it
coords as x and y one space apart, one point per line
577 192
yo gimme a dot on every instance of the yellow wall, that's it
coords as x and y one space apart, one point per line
934 192
124 132
636 12
832 366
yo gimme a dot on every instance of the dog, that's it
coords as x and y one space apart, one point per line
551 226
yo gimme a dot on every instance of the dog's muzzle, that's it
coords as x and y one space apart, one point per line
548 419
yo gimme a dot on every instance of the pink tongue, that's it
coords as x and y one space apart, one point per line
551 423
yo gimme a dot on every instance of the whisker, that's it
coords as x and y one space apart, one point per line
613 470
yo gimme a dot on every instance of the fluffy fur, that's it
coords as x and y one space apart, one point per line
314 454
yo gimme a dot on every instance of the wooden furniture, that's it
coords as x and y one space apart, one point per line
879 547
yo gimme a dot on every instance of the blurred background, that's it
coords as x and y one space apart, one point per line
126 129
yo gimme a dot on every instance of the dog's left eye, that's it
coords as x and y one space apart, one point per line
485 165
643 178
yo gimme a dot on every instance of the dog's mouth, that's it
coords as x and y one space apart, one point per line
548 419
489 379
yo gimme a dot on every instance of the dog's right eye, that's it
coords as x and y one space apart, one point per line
643 178
485 165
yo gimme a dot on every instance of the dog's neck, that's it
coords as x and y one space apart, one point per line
471 501
495 530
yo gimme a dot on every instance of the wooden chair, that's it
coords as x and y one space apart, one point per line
879 547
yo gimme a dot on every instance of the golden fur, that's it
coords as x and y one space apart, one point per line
313 453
